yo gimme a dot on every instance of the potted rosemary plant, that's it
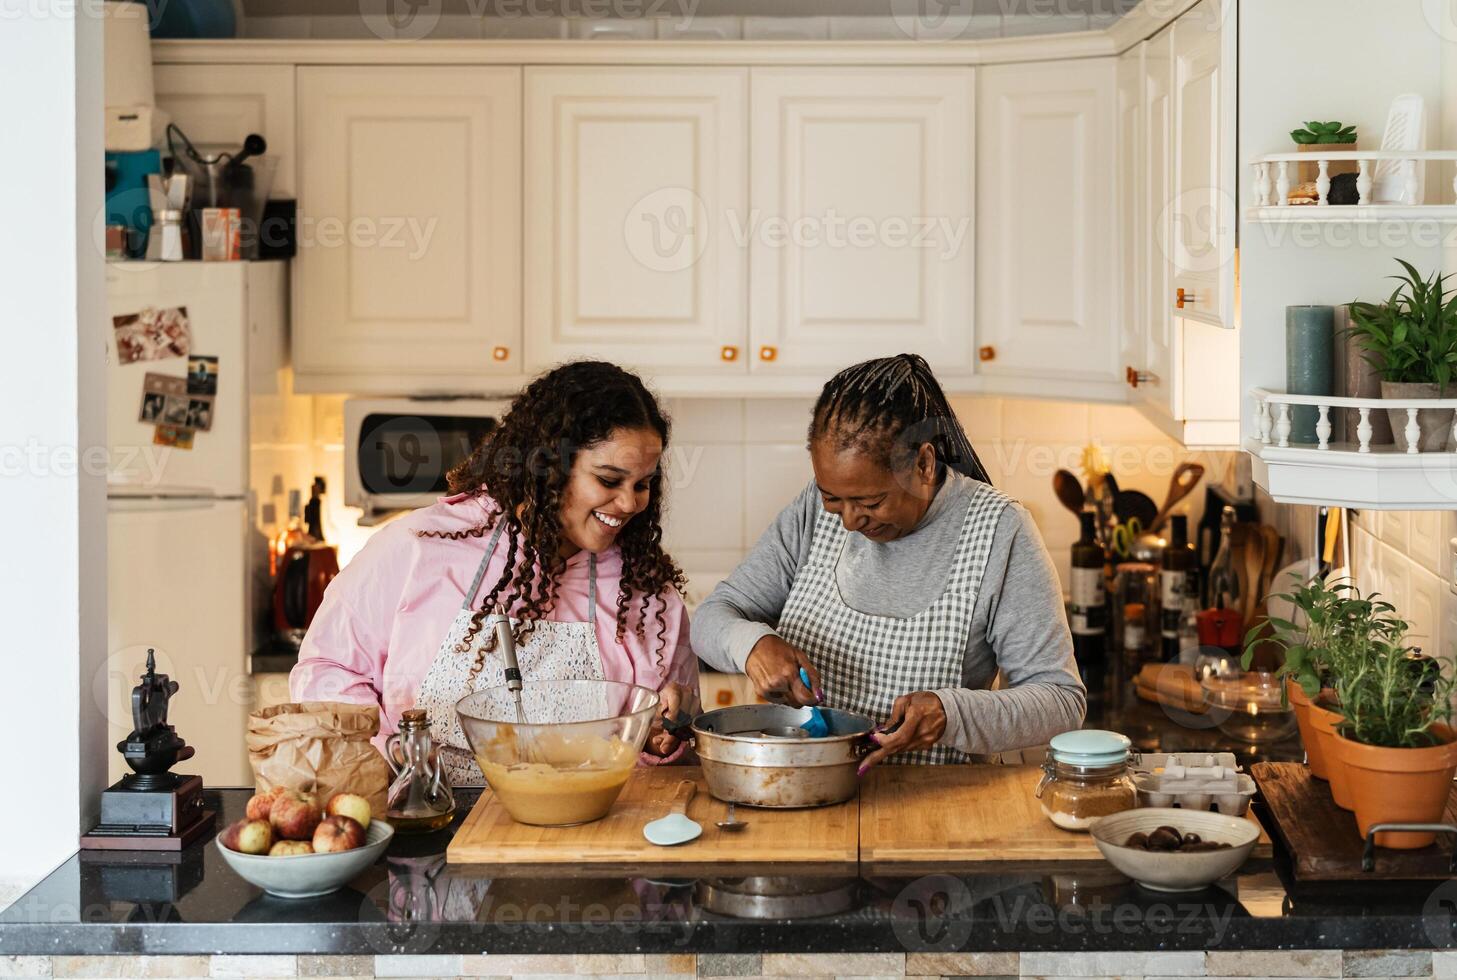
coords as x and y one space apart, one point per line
1394 740
1332 624
1411 339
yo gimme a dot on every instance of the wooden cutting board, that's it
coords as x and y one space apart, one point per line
939 815
1322 840
824 835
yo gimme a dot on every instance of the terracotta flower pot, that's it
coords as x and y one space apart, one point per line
1324 721
1399 786
1314 757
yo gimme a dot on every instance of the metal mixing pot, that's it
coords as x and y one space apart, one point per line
757 755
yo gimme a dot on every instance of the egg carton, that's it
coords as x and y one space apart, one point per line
1192 781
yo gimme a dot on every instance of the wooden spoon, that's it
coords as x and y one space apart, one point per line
1069 491
1186 477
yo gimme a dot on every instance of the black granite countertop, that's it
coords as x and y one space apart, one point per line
413 902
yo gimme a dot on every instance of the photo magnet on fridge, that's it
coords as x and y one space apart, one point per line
152 335
165 401
171 435
202 375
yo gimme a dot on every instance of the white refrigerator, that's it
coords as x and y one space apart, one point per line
184 541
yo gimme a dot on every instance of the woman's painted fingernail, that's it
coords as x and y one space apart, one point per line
820 695
861 771
875 737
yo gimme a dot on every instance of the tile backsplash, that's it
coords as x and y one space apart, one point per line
736 463
1405 556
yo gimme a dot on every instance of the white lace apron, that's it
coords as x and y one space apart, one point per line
865 661
554 651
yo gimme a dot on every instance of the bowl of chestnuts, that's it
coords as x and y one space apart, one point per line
1172 849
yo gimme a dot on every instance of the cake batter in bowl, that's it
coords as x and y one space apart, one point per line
568 764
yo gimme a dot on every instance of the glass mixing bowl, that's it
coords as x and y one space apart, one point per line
568 763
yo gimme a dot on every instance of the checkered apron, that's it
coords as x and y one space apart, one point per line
866 662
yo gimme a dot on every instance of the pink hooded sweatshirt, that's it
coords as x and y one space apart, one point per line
385 616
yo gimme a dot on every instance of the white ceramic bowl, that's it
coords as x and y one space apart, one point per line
1175 871
309 875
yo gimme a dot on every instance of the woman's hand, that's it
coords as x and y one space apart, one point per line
673 698
918 721
773 666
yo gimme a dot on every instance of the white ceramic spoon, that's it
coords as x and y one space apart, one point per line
675 828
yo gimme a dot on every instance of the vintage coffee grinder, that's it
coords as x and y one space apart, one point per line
151 809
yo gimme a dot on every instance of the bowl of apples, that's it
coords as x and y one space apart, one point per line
291 847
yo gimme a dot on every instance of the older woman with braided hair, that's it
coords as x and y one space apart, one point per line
901 582
556 518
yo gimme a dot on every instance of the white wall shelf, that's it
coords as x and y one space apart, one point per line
1348 472
1380 174
1352 213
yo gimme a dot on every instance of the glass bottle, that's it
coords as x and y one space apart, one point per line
1178 558
1223 585
419 800
1088 608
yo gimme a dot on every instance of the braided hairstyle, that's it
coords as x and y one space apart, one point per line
890 407
525 464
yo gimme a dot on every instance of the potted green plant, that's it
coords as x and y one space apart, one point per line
1332 622
1320 137
1411 339
1395 741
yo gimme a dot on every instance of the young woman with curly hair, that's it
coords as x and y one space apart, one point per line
556 517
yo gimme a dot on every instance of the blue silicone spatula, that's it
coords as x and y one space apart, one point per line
816 726
675 828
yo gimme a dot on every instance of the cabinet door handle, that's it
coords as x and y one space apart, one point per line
1136 378
728 352
987 353
1182 297
500 353
768 353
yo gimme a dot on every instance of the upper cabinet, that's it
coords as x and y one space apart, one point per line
636 179
216 106
860 227
1045 226
1176 220
1132 179
1202 202
408 272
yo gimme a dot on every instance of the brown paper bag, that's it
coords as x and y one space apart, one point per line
319 747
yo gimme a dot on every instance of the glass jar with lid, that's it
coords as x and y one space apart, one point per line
1085 776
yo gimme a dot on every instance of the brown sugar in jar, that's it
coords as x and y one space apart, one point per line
1084 778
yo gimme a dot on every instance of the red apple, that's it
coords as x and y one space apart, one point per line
350 805
338 833
259 804
248 837
288 848
294 816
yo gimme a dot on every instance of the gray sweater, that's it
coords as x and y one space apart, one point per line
1019 624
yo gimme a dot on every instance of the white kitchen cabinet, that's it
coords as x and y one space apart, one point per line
860 228
1132 178
408 270
1045 224
636 179
1202 209
1155 384
216 106
1182 363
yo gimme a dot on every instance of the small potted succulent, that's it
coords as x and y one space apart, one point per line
1335 622
1411 339
1394 740
1319 137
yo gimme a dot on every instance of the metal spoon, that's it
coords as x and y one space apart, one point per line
731 823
